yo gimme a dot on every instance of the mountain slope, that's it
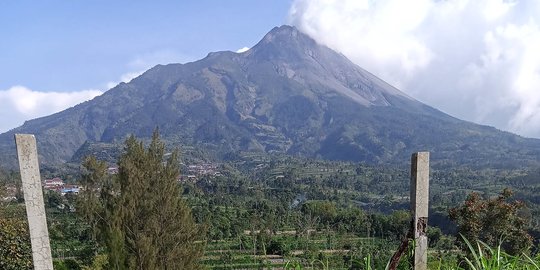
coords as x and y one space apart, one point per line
286 94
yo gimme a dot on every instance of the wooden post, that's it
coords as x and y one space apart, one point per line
33 199
419 207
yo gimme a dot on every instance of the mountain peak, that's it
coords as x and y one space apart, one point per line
285 31
287 94
285 40
294 52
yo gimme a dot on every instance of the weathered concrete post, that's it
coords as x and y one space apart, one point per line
419 207
33 198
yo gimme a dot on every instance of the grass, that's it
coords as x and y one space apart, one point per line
314 253
485 257
482 257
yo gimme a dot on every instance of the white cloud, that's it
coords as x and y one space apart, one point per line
241 50
126 77
20 103
364 31
475 59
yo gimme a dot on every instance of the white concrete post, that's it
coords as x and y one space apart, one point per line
33 199
419 207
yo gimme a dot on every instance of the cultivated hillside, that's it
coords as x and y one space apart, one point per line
286 94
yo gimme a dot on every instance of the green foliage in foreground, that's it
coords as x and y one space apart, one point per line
15 249
142 221
484 258
285 212
493 220
488 258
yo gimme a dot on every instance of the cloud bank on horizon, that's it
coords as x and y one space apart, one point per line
20 103
478 60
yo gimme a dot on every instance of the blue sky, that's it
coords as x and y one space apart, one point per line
75 45
477 60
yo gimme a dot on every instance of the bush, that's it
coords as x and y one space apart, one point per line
15 248
493 220
279 246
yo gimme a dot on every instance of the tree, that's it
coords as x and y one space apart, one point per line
90 203
325 210
3 180
52 199
494 221
15 248
142 220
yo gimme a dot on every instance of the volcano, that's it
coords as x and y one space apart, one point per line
287 94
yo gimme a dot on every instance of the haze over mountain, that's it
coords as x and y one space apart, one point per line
286 94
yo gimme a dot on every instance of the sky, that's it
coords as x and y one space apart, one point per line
478 60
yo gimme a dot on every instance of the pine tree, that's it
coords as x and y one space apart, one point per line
89 205
146 224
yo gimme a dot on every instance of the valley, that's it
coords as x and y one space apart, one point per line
284 156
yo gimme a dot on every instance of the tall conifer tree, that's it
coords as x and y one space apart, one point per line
145 223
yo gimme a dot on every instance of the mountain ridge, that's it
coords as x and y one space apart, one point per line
286 94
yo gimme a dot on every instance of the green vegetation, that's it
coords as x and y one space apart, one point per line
486 257
141 220
272 99
263 208
493 221
15 249
273 211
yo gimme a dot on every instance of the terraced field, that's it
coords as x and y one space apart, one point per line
286 250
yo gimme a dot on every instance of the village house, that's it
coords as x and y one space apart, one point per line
73 189
53 184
